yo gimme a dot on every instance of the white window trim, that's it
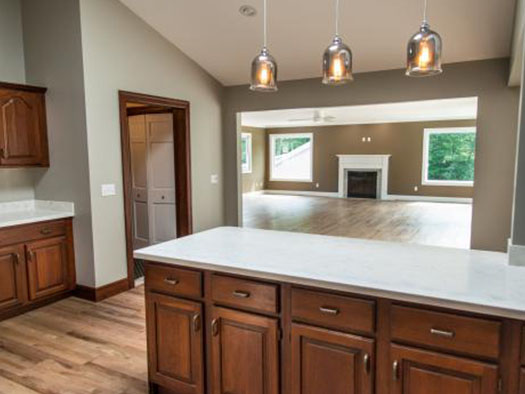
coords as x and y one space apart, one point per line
424 167
272 153
248 168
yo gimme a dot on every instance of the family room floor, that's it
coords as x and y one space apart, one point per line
428 223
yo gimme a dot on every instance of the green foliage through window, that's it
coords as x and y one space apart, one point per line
285 145
244 150
451 156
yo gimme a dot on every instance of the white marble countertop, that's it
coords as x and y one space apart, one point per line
32 211
468 280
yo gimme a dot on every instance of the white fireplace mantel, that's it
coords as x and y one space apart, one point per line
377 163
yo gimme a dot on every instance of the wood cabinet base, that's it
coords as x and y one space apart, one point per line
241 335
37 265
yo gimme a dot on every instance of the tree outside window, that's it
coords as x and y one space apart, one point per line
246 153
448 156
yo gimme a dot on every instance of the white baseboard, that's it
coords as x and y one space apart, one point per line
400 197
516 254
394 197
303 193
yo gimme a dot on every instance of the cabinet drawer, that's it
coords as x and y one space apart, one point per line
333 310
171 280
446 331
31 232
245 293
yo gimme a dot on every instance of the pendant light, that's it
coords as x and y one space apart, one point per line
337 58
264 67
424 51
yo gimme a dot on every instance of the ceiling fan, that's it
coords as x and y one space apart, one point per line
318 117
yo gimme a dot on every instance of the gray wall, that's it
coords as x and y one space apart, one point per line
121 52
496 139
53 54
15 184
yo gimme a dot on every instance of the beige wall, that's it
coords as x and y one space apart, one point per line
15 183
404 141
496 138
53 53
255 181
121 52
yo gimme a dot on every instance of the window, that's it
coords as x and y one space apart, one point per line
448 156
291 157
246 153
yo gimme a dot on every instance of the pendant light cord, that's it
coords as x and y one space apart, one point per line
425 12
265 21
337 18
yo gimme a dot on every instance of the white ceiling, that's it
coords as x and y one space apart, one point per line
415 111
216 36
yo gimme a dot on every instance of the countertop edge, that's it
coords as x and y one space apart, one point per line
447 303
58 215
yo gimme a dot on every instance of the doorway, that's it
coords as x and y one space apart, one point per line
155 142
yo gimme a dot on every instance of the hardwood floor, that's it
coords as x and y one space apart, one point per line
441 224
76 347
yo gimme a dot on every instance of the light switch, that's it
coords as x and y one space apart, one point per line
214 178
108 190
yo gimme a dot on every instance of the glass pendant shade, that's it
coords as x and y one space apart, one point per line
337 63
424 53
264 72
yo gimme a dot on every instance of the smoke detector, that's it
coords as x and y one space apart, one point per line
247 10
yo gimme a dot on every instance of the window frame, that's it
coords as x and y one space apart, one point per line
426 142
273 137
248 169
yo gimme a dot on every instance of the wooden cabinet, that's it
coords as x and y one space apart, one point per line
175 344
421 372
47 267
37 265
12 277
23 130
245 354
265 337
326 361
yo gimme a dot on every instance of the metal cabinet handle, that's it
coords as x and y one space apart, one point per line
17 258
328 310
196 322
171 281
215 327
395 370
241 294
45 231
442 333
30 255
366 363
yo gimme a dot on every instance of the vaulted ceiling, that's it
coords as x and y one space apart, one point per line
222 41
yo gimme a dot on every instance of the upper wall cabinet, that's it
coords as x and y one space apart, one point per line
23 128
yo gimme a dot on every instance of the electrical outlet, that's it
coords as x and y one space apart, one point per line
416 188
214 178
317 185
369 139
363 139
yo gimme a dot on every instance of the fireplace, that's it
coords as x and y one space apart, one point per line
369 176
361 184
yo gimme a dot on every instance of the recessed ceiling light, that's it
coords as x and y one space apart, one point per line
247 10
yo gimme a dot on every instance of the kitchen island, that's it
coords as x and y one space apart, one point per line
244 311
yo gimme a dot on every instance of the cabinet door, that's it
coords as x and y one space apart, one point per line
47 267
175 344
245 356
522 381
326 361
23 134
421 372
12 277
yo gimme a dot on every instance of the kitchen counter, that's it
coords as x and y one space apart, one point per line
33 211
467 280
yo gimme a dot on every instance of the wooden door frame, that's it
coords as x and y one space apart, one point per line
182 156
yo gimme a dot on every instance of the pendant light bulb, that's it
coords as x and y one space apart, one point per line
264 66
337 58
424 51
